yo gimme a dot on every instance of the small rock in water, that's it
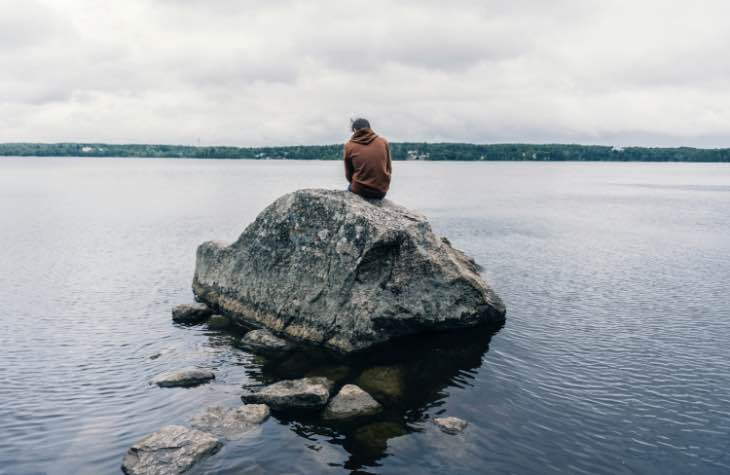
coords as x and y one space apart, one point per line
263 341
230 423
351 402
191 313
162 352
218 322
169 451
305 393
451 425
186 377
385 382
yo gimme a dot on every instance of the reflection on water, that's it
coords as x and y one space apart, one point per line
407 377
614 359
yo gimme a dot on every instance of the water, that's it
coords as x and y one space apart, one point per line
614 358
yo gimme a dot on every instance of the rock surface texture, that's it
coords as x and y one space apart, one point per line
191 313
185 377
218 322
385 382
451 425
263 341
305 393
230 423
351 402
169 451
331 268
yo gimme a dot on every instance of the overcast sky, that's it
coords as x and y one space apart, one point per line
277 72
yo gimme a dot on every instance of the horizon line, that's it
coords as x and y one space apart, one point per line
392 142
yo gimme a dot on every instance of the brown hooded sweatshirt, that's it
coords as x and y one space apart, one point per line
367 164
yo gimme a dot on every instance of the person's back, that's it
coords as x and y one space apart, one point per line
367 161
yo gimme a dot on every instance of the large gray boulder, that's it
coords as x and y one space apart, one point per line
169 451
332 268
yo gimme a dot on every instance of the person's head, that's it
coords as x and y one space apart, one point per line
359 124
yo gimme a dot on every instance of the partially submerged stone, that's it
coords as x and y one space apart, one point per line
331 268
218 322
385 382
305 393
263 341
451 425
351 402
374 437
169 451
230 423
191 313
185 377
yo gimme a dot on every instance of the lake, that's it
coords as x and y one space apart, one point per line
615 357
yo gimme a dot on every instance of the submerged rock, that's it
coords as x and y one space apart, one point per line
386 382
169 451
351 402
374 437
263 341
191 313
331 268
451 425
218 322
333 373
231 423
185 377
305 393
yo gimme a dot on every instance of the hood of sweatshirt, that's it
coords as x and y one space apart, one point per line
364 136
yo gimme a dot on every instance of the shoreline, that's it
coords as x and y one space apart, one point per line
400 151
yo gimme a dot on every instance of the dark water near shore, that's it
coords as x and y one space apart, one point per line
615 357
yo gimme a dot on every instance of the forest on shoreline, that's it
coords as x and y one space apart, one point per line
400 151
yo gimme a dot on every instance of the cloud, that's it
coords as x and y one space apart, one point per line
290 72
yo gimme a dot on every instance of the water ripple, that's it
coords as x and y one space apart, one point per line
614 359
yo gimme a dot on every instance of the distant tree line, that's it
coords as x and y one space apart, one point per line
400 151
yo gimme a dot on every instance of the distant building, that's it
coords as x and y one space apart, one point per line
416 155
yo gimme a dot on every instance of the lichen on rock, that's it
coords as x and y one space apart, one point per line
334 269
296 394
230 423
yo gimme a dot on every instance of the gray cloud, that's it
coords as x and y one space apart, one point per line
260 72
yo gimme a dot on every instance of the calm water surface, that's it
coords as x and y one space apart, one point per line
615 357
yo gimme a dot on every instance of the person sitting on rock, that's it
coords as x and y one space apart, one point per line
367 161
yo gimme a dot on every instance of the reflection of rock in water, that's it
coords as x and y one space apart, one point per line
371 440
384 382
407 377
